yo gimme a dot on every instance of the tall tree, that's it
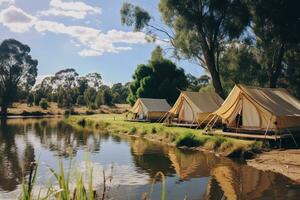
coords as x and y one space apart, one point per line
157 79
17 71
240 64
276 26
199 29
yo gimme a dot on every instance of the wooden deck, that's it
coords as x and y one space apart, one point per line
136 120
182 125
248 135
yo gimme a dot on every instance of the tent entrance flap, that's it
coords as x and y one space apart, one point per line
186 112
250 115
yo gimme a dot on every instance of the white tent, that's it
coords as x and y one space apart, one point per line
194 107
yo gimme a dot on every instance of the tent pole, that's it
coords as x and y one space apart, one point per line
268 126
209 122
204 120
292 137
215 121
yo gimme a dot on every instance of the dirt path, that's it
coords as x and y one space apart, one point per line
286 162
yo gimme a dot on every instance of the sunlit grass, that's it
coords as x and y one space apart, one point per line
177 136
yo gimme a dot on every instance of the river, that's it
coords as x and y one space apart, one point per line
132 163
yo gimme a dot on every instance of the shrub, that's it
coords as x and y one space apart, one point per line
81 122
153 130
132 130
189 140
44 104
214 143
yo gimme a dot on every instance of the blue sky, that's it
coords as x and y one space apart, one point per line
83 34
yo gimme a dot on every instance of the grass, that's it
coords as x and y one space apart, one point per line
176 136
81 191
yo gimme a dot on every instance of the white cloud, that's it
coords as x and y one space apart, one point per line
6 2
93 41
90 52
74 9
16 19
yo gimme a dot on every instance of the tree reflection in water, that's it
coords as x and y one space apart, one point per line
197 174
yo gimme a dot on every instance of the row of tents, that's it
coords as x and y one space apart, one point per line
246 108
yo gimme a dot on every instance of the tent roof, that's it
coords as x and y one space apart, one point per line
153 105
277 101
205 102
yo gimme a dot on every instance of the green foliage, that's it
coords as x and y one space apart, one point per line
189 140
44 104
153 130
133 130
195 84
107 97
30 99
18 71
99 99
80 100
81 122
134 16
290 77
276 26
199 29
28 185
119 93
239 65
90 96
207 88
157 79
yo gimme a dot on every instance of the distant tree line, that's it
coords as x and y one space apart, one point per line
68 89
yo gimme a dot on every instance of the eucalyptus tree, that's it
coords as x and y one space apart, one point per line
276 26
198 30
18 71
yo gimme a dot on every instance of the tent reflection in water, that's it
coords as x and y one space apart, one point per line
147 109
259 110
194 107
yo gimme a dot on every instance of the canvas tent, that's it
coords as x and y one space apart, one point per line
150 109
195 107
254 108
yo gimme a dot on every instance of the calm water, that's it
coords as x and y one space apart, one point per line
133 163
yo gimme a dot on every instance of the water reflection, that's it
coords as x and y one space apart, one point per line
136 162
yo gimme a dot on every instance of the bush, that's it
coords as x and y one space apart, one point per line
133 130
81 122
214 143
44 104
153 130
189 140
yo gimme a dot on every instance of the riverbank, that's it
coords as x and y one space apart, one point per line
22 110
286 162
174 136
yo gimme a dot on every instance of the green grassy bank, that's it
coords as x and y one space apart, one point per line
177 136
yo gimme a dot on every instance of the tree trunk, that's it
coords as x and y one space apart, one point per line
276 67
215 76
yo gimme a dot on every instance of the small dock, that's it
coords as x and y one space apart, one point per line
185 125
136 120
248 135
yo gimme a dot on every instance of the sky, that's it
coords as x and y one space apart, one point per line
86 35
